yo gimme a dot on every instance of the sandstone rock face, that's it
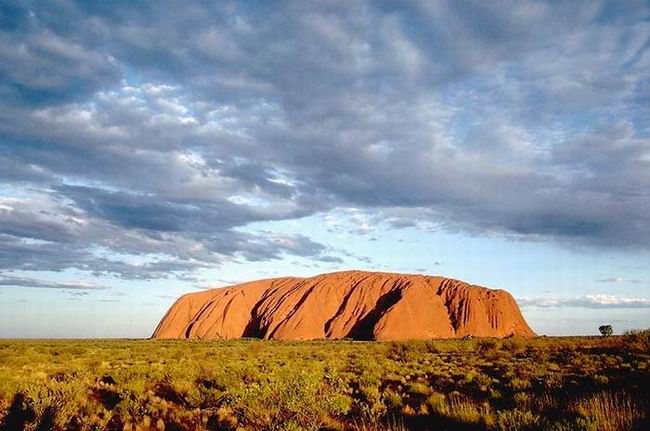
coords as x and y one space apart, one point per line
352 304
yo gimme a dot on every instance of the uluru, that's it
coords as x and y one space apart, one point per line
352 304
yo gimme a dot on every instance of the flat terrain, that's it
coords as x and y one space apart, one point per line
544 383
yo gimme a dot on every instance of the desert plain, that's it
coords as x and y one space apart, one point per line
344 351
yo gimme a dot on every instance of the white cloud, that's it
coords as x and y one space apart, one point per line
600 300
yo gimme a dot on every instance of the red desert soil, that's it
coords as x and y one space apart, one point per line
351 304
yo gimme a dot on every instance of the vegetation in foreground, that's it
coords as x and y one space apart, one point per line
581 383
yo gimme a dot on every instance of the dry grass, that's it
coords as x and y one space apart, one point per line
558 384
610 411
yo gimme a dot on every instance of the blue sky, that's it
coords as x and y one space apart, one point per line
155 149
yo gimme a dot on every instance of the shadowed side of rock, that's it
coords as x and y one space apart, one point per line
352 304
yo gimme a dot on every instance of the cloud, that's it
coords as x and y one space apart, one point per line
330 259
41 284
73 69
599 300
611 280
159 134
139 240
619 280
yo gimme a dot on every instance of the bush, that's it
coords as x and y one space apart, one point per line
307 400
519 384
517 420
393 400
610 411
417 388
514 345
521 399
459 409
198 385
636 340
606 330
487 345
405 352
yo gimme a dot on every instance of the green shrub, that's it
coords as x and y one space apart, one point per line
606 330
304 399
610 411
393 400
518 384
514 345
405 352
417 388
458 408
517 420
487 345
521 399
201 385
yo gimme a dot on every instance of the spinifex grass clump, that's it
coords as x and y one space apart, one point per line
610 411
561 384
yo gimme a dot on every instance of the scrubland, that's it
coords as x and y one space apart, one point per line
577 383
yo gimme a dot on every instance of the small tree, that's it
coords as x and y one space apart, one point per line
606 330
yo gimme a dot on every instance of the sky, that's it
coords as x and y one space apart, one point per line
152 149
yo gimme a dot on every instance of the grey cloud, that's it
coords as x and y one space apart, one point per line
262 246
16 254
619 280
26 255
163 132
31 282
39 66
41 235
155 213
330 259
611 280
